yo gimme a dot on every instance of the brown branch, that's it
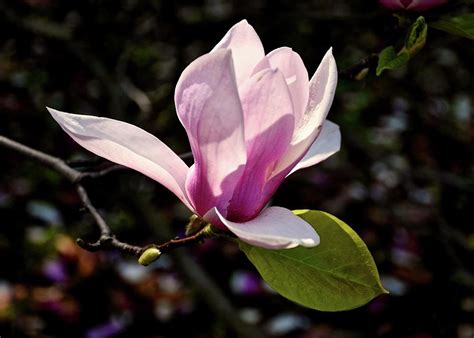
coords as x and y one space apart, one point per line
106 241
180 242
52 162
102 172
206 288
104 228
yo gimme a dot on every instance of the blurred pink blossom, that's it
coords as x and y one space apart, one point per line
412 5
251 119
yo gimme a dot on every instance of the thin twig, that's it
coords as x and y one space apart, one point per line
205 287
106 241
102 172
52 162
180 242
104 228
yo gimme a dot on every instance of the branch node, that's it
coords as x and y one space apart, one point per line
92 247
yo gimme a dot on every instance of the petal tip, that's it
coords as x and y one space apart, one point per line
56 114
243 24
310 242
329 57
52 111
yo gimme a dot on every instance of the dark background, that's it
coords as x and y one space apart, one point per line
404 178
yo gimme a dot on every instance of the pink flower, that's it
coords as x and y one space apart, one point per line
251 119
412 5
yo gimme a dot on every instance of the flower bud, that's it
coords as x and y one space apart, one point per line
149 256
411 5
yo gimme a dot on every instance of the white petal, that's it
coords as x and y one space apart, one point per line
296 75
128 145
274 228
327 144
247 49
321 93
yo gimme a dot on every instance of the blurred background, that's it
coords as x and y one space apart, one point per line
404 178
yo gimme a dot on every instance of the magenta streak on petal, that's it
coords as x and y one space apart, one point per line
269 123
406 3
412 5
209 108
423 5
327 143
392 4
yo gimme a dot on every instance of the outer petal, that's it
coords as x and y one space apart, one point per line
269 124
327 143
127 145
392 4
296 76
423 5
322 88
247 49
208 105
274 228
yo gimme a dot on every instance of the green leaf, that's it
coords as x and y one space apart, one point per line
416 36
338 274
388 59
462 25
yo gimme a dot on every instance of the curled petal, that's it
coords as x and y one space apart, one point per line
208 105
413 5
269 123
322 88
274 228
423 5
392 4
247 49
327 144
296 76
127 145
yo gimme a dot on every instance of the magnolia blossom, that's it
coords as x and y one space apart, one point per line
414 5
251 119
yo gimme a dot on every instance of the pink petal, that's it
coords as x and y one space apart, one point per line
128 145
292 67
423 5
247 49
327 144
392 4
322 88
274 228
208 105
269 123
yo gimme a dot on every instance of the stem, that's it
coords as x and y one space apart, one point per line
107 240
